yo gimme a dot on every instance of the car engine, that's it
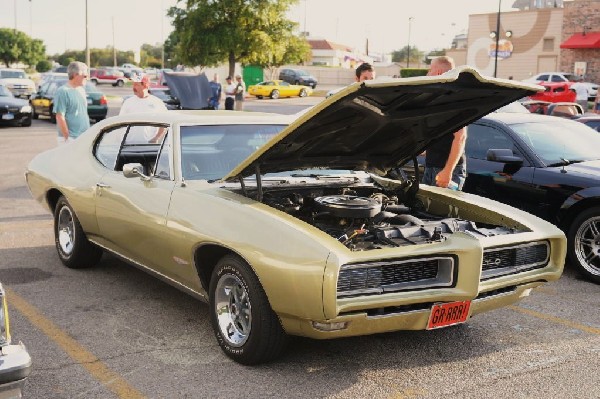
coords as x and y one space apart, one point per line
367 219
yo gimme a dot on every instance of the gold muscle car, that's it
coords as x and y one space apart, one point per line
301 225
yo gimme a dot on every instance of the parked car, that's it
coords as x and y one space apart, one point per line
14 110
547 166
278 88
171 102
292 226
17 82
15 361
48 76
563 109
298 77
563 77
43 101
107 76
555 92
592 121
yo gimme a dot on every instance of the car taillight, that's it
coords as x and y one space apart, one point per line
103 100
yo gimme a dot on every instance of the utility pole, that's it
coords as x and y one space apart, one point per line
497 39
87 37
114 48
408 49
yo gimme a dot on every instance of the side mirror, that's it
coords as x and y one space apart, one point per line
134 170
503 155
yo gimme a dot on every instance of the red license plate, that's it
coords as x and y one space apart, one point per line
448 314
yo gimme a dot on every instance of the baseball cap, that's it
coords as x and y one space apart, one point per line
228 78
140 78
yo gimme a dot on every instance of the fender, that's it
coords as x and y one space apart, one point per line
575 199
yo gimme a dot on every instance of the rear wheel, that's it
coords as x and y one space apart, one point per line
259 97
302 93
275 94
72 246
120 83
246 328
94 82
584 243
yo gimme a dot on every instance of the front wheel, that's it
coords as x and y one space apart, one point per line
275 94
584 243
302 93
73 247
246 328
120 83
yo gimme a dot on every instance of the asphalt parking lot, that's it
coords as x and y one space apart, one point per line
115 332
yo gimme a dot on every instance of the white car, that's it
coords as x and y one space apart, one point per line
563 77
17 82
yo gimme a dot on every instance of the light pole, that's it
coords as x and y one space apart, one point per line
87 37
408 49
497 39
114 48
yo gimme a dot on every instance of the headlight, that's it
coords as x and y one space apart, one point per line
25 109
4 325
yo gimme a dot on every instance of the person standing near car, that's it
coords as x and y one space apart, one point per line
216 89
70 104
364 72
240 89
229 94
582 93
445 163
142 100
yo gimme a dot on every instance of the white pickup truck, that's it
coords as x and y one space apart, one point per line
17 82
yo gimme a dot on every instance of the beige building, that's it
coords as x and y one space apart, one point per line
531 38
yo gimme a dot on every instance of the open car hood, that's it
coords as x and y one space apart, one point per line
192 90
379 124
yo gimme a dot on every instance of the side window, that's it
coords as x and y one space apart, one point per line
141 134
544 77
556 78
163 163
481 138
107 149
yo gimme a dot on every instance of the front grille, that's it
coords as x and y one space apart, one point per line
383 277
515 259
6 110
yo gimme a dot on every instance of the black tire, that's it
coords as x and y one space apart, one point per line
246 328
94 82
302 93
26 122
583 243
274 94
34 114
259 97
72 246
120 83
52 117
296 82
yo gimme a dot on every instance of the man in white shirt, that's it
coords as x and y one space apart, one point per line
143 102
582 93
230 89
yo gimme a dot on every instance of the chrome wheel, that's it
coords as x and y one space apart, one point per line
66 230
233 310
587 245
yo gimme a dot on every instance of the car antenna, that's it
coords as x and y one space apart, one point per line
565 162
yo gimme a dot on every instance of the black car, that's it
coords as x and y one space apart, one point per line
13 110
298 77
547 166
592 121
43 101
171 102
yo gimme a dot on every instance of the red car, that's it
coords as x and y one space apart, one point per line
107 75
556 92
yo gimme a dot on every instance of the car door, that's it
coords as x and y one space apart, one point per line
510 183
285 90
131 211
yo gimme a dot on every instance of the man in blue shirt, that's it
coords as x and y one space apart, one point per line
215 87
70 104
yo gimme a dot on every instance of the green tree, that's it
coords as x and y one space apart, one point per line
43 66
416 56
16 46
209 32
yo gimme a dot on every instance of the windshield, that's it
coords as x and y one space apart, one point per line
559 140
211 152
12 74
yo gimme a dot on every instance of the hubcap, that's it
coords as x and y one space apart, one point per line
233 309
587 245
66 230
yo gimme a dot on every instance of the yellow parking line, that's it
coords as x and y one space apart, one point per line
92 364
558 320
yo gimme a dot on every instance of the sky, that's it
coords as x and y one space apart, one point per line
385 23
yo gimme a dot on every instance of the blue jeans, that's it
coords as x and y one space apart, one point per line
459 174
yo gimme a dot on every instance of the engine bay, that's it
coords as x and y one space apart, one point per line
366 218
